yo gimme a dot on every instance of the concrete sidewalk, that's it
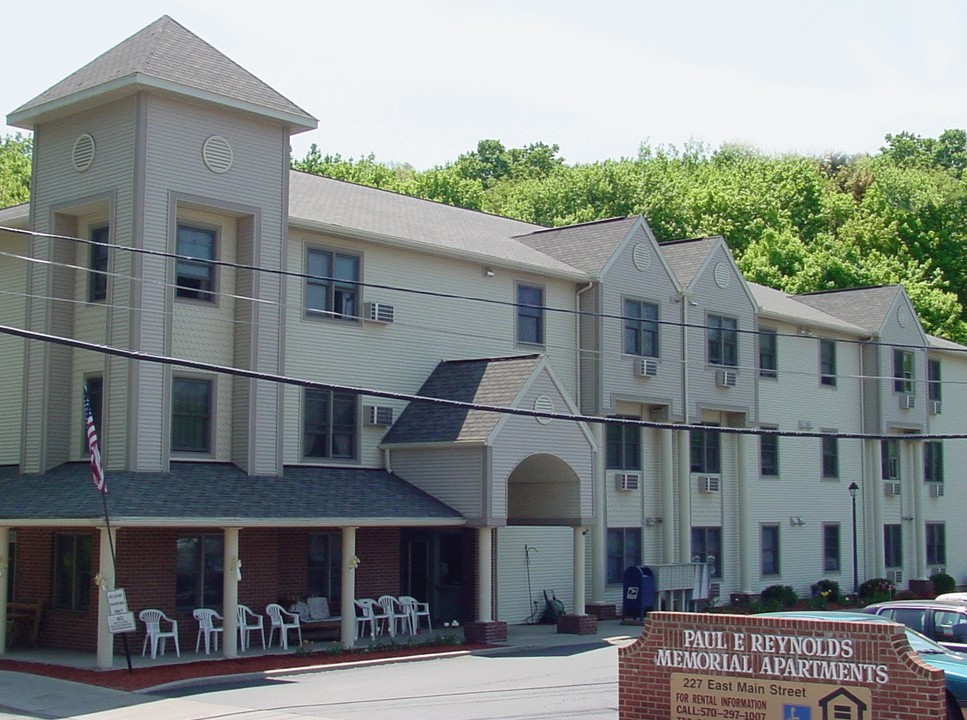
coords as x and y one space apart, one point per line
36 696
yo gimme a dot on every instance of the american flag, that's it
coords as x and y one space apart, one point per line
97 472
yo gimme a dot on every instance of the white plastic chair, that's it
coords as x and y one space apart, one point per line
397 616
417 610
370 613
152 622
283 621
206 628
247 622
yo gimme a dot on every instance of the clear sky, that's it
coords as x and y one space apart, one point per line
421 81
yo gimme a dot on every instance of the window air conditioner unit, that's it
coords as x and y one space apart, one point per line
379 415
726 378
894 576
935 407
891 488
936 489
646 367
709 483
908 402
379 312
627 481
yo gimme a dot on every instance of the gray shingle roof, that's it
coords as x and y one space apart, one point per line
779 305
493 381
323 203
588 246
685 257
165 54
199 492
865 307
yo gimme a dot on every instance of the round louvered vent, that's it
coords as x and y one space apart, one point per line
83 153
217 154
641 257
545 405
901 317
722 275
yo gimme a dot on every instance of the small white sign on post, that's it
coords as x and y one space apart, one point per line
119 619
121 623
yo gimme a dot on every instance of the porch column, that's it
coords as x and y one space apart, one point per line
347 601
599 533
683 519
5 571
667 497
578 603
485 556
919 528
105 568
231 568
742 498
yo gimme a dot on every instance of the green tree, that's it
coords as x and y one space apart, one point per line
16 152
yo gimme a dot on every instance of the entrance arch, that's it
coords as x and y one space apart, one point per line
543 490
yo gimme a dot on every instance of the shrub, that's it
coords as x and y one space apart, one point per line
943 583
827 591
876 590
779 595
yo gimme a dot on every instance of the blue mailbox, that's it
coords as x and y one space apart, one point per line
639 593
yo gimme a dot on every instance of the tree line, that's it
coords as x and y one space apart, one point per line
794 222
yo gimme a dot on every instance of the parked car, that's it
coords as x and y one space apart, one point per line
953 597
954 664
942 620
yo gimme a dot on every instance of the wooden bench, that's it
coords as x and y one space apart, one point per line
23 622
321 629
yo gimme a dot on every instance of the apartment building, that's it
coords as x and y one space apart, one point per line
294 382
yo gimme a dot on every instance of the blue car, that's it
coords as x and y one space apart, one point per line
953 664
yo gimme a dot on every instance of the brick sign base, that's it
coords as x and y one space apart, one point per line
756 667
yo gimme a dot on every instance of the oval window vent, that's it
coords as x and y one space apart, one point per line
543 404
901 317
83 153
217 154
722 275
641 257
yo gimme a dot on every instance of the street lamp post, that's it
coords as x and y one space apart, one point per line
853 487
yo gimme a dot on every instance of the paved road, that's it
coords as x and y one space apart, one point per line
559 682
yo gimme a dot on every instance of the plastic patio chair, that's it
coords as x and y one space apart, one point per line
247 622
417 610
152 620
369 613
283 621
206 628
397 615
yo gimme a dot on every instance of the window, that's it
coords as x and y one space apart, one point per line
893 546
191 416
768 354
723 341
830 457
97 277
195 279
933 461
624 550
94 386
333 283
769 455
624 447
936 544
890 459
199 572
72 571
706 451
530 314
903 371
641 328
769 549
329 425
325 566
831 561
707 548
11 565
934 389
827 362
